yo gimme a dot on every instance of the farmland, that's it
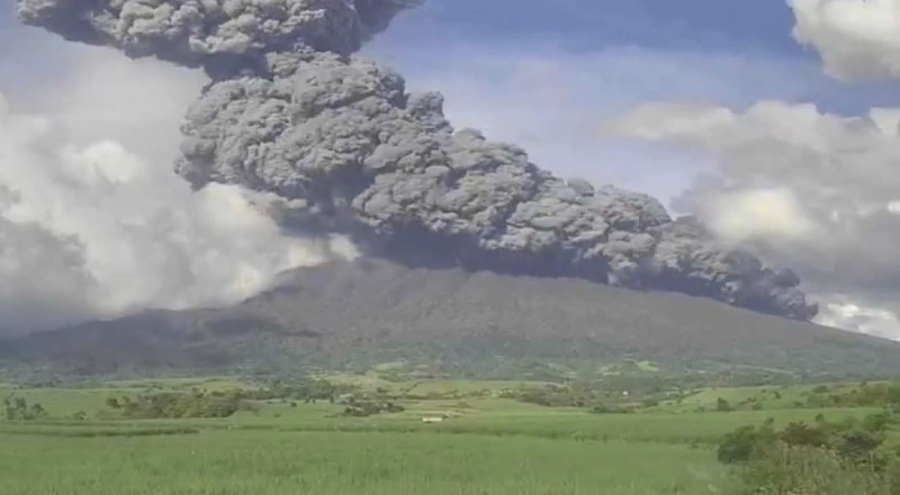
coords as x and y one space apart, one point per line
489 443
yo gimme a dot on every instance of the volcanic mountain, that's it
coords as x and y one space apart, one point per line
357 315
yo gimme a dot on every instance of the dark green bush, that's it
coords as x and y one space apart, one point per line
821 459
722 405
178 405
801 470
740 445
18 409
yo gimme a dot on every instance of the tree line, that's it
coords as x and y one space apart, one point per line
823 458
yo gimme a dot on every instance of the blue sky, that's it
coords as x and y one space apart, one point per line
756 31
593 24
545 74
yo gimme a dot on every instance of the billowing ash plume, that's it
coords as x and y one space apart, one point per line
291 112
223 36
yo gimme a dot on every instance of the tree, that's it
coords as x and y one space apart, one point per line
722 405
17 409
801 434
740 445
9 408
36 411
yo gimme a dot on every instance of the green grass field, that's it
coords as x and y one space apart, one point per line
769 397
269 462
488 445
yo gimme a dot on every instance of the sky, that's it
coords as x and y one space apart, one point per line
584 60
575 63
726 109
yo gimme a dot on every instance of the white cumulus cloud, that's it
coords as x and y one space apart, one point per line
93 221
857 39
805 189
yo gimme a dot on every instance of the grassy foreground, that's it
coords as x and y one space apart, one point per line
275 463
489 445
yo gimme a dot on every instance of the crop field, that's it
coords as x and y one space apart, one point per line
485 445
270 462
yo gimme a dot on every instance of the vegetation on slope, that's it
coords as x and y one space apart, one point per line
355 316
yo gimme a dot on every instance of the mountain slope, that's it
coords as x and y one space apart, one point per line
358 314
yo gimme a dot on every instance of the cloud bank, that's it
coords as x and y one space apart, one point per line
857 39
93 222
812 190
817 191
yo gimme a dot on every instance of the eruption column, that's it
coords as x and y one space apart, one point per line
290 110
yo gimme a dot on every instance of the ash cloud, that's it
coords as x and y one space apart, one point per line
290 111
224 37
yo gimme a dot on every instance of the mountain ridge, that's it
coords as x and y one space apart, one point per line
360 313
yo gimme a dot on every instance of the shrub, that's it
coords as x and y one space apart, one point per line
800 434
605 409
800 470
852 440
18 409
820 459
364 408
740 445
722 405
178 405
